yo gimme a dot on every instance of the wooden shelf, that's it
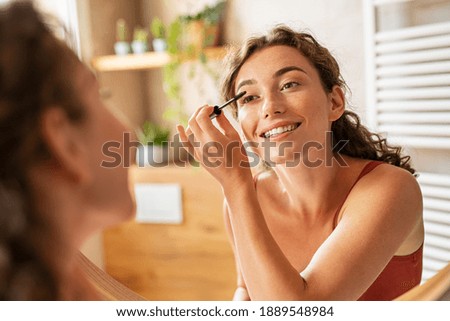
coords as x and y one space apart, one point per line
149 60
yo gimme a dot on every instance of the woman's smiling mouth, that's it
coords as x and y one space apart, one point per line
280 130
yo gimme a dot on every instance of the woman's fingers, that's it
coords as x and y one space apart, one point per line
204 121
186 139
217 151
202 126
193 124
201 132
207 126
182 133
226 126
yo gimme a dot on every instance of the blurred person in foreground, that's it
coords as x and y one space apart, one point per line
54 194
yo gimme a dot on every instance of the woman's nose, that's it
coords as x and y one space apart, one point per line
272 106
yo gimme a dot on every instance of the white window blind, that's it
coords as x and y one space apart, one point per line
409 76
408 101
436 204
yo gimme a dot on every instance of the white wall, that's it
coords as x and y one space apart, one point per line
338 25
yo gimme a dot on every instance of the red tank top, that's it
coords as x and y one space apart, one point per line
401 274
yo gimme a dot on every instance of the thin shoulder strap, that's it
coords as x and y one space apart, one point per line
366 170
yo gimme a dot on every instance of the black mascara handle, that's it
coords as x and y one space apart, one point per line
218 110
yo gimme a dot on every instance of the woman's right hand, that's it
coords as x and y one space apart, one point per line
220 151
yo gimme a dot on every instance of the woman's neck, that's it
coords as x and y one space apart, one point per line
312 190
60 232
60 253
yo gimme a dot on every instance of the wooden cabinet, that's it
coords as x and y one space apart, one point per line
189 261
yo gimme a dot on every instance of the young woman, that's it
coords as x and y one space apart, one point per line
54 194
338 214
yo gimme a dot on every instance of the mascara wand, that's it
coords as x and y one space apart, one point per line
218 109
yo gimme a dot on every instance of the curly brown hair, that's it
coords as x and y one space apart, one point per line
36 69
361 142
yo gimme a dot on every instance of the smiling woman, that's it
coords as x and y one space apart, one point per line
337 214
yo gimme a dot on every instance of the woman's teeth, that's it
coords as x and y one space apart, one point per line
280 130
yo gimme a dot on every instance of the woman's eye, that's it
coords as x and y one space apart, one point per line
290 85
247 99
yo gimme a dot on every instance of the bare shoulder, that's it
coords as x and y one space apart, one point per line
387 182
391 195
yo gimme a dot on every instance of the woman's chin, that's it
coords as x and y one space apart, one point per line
121 214
129 211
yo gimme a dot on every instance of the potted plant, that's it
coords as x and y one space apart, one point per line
187 36
154 148
171 81
202 28
140 40
121 47
159 34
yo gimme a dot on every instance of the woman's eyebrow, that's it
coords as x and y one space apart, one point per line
278 73
245 82
284 70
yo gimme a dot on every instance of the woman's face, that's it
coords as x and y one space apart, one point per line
108 192
285 104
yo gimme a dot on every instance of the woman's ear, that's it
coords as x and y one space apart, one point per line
64 142
337 100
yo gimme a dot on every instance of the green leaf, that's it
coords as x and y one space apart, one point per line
153 133
157 28
203 58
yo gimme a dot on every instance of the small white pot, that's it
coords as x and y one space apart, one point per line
152 155
122 48
139 47
159 45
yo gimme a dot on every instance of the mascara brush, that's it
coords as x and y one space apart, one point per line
218 109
